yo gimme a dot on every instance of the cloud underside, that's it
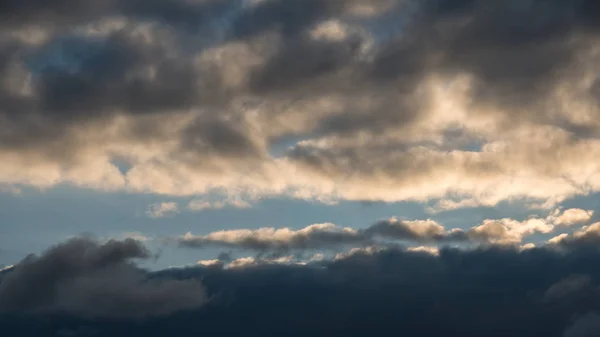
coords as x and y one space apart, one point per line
332 237
492 291
464 102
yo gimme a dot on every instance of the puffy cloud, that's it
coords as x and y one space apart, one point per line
467 103
424 249
84 277
419 231
587 236
528 246
163 209
392 231
571 217
509 231
558 239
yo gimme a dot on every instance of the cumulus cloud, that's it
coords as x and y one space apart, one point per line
466 103
392 231
419 231
587 236
87 278
570 217
509 231
163 209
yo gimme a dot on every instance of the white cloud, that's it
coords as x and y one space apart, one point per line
509 231
208 263
4 268
527 246
570 217
593 229
424 249
558 239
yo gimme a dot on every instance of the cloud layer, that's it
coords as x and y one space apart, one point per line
491 291
462 102
332 237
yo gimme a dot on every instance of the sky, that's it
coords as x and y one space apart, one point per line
171 165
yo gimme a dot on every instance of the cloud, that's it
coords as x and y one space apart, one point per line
571 217
330 236
463 103
490 291
317 236
587 236
509 231
586 325
163 209
199 205
424 249
419 231
86 278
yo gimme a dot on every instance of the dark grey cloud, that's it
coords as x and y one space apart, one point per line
84 277
420 232
586 325
279 240
491 292
516 51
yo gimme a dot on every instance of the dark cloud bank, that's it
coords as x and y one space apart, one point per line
90 279
82 288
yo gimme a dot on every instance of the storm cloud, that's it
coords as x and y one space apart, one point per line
489 291
84 277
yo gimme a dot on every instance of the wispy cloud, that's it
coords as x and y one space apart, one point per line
162 210
202 204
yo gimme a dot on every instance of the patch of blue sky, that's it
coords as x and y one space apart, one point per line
391 24
66 54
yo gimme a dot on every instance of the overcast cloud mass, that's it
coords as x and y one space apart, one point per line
305 167
461 101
